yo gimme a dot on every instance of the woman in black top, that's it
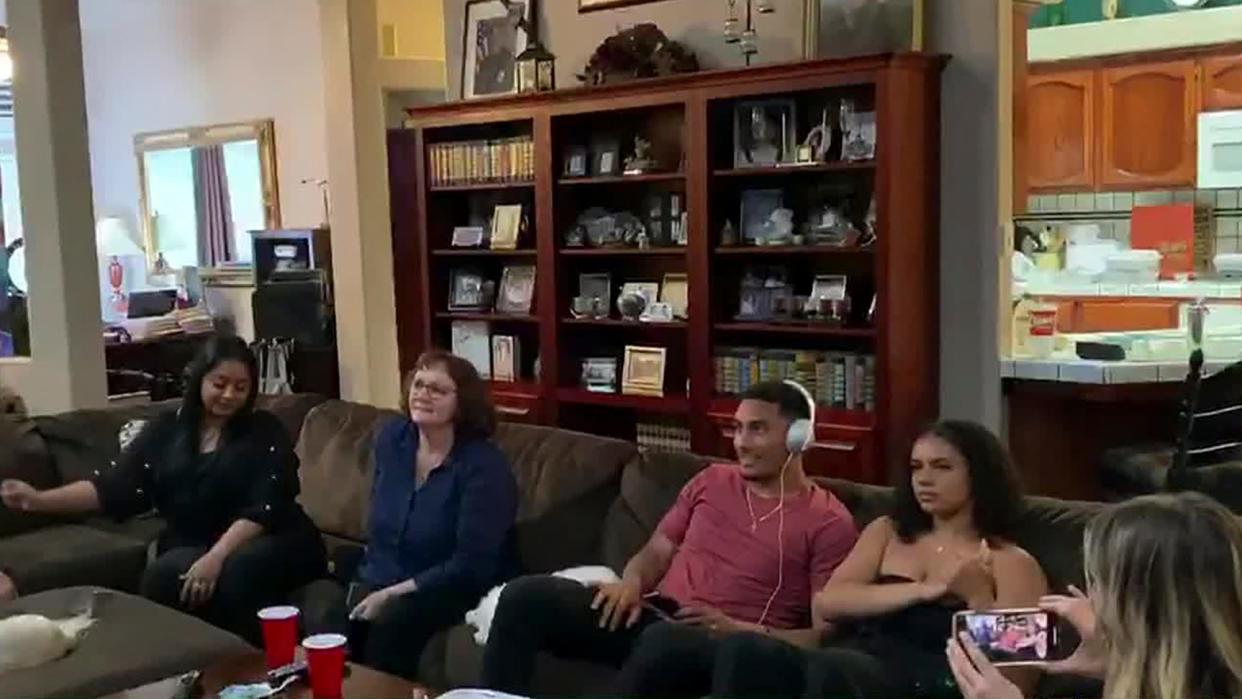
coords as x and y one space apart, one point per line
224 476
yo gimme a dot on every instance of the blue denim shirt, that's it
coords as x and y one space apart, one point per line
455 531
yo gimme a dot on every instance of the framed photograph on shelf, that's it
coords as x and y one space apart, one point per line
576 158
517 290
607 159
505 359
675 291
599 374
648 290
469 341
468 236
467 291
643 371
764 133
758 205
829 286
491 41
506 226
594 286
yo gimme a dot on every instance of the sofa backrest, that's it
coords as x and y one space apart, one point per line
566 480
23 456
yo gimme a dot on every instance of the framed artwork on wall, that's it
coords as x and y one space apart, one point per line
596 5
840 28
492 38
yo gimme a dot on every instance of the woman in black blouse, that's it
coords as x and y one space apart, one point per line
224 476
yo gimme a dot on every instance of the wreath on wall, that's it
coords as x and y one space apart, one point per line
642 51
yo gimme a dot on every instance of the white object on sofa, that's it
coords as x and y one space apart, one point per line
30 640
481 616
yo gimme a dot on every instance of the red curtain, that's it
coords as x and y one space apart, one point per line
211 199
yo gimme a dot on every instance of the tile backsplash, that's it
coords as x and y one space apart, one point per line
1111 211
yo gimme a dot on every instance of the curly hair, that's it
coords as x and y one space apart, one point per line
996 494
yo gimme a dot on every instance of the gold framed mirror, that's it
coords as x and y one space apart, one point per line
202 189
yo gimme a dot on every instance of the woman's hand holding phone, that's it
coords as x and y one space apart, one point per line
1089 659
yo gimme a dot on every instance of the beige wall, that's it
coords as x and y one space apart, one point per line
418 24
160 64
696 23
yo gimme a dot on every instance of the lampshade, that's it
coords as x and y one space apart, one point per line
6 61
17 270
112 238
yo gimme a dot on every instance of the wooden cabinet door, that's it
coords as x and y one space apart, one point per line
1060 130
1221 82
1148 125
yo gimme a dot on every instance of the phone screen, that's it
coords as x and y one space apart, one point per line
664 607
1012 636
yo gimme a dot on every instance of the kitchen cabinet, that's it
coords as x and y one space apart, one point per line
1221 82
1060 128
1148 125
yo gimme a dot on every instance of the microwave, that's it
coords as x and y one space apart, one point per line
1220 150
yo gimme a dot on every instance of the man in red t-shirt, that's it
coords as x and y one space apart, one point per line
743 549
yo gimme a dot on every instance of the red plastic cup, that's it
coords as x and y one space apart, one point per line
325 656
280 634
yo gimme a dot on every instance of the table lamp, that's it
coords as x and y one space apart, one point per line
112 239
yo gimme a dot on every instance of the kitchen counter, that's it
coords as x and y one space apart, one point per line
1083 371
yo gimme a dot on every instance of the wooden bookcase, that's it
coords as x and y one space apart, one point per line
689 120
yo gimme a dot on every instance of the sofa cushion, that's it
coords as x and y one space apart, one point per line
133 642
71 554
23 456
336 451
649 486
81 442
566 482
291 409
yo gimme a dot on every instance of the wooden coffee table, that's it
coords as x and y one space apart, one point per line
360 682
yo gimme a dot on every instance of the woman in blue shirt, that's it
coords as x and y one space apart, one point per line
443 502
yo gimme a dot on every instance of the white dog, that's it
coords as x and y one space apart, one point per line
481 616
30 640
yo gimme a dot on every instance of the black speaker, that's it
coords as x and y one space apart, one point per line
296 310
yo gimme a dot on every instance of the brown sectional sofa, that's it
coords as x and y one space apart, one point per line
584 499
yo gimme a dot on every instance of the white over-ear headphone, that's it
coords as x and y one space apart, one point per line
801 434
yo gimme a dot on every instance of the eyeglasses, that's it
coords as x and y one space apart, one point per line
432 389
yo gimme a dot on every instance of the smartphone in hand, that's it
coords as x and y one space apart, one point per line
1014 636
664 607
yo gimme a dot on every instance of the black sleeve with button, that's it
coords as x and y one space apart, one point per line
124 485
269 499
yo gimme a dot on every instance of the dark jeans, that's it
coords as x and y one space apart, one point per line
750 666
259 573
656 658
394 641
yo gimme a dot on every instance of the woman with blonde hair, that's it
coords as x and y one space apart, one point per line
1163 614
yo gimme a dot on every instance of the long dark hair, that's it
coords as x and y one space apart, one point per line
476 415
994 488
216 351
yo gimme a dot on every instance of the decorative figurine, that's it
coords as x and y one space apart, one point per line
728 235
815 148
632 305
641 161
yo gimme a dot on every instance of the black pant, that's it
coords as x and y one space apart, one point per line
259 573
542 613
750 666
393 642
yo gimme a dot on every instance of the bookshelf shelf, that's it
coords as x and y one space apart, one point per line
687 119
787 170
480 186
623 179
817 329
651 404
485 316
619 323
748 250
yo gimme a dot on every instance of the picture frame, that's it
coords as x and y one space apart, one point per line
468 236
596 286
754 303
467 291
599 374
758 206
492 38
675 291
576 162
831 287
506 226
607 159
597 5
765 133
505 359
517 290
841 28
648 290
643 371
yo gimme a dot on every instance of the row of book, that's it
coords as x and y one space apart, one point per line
662 437
842 380
478 162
